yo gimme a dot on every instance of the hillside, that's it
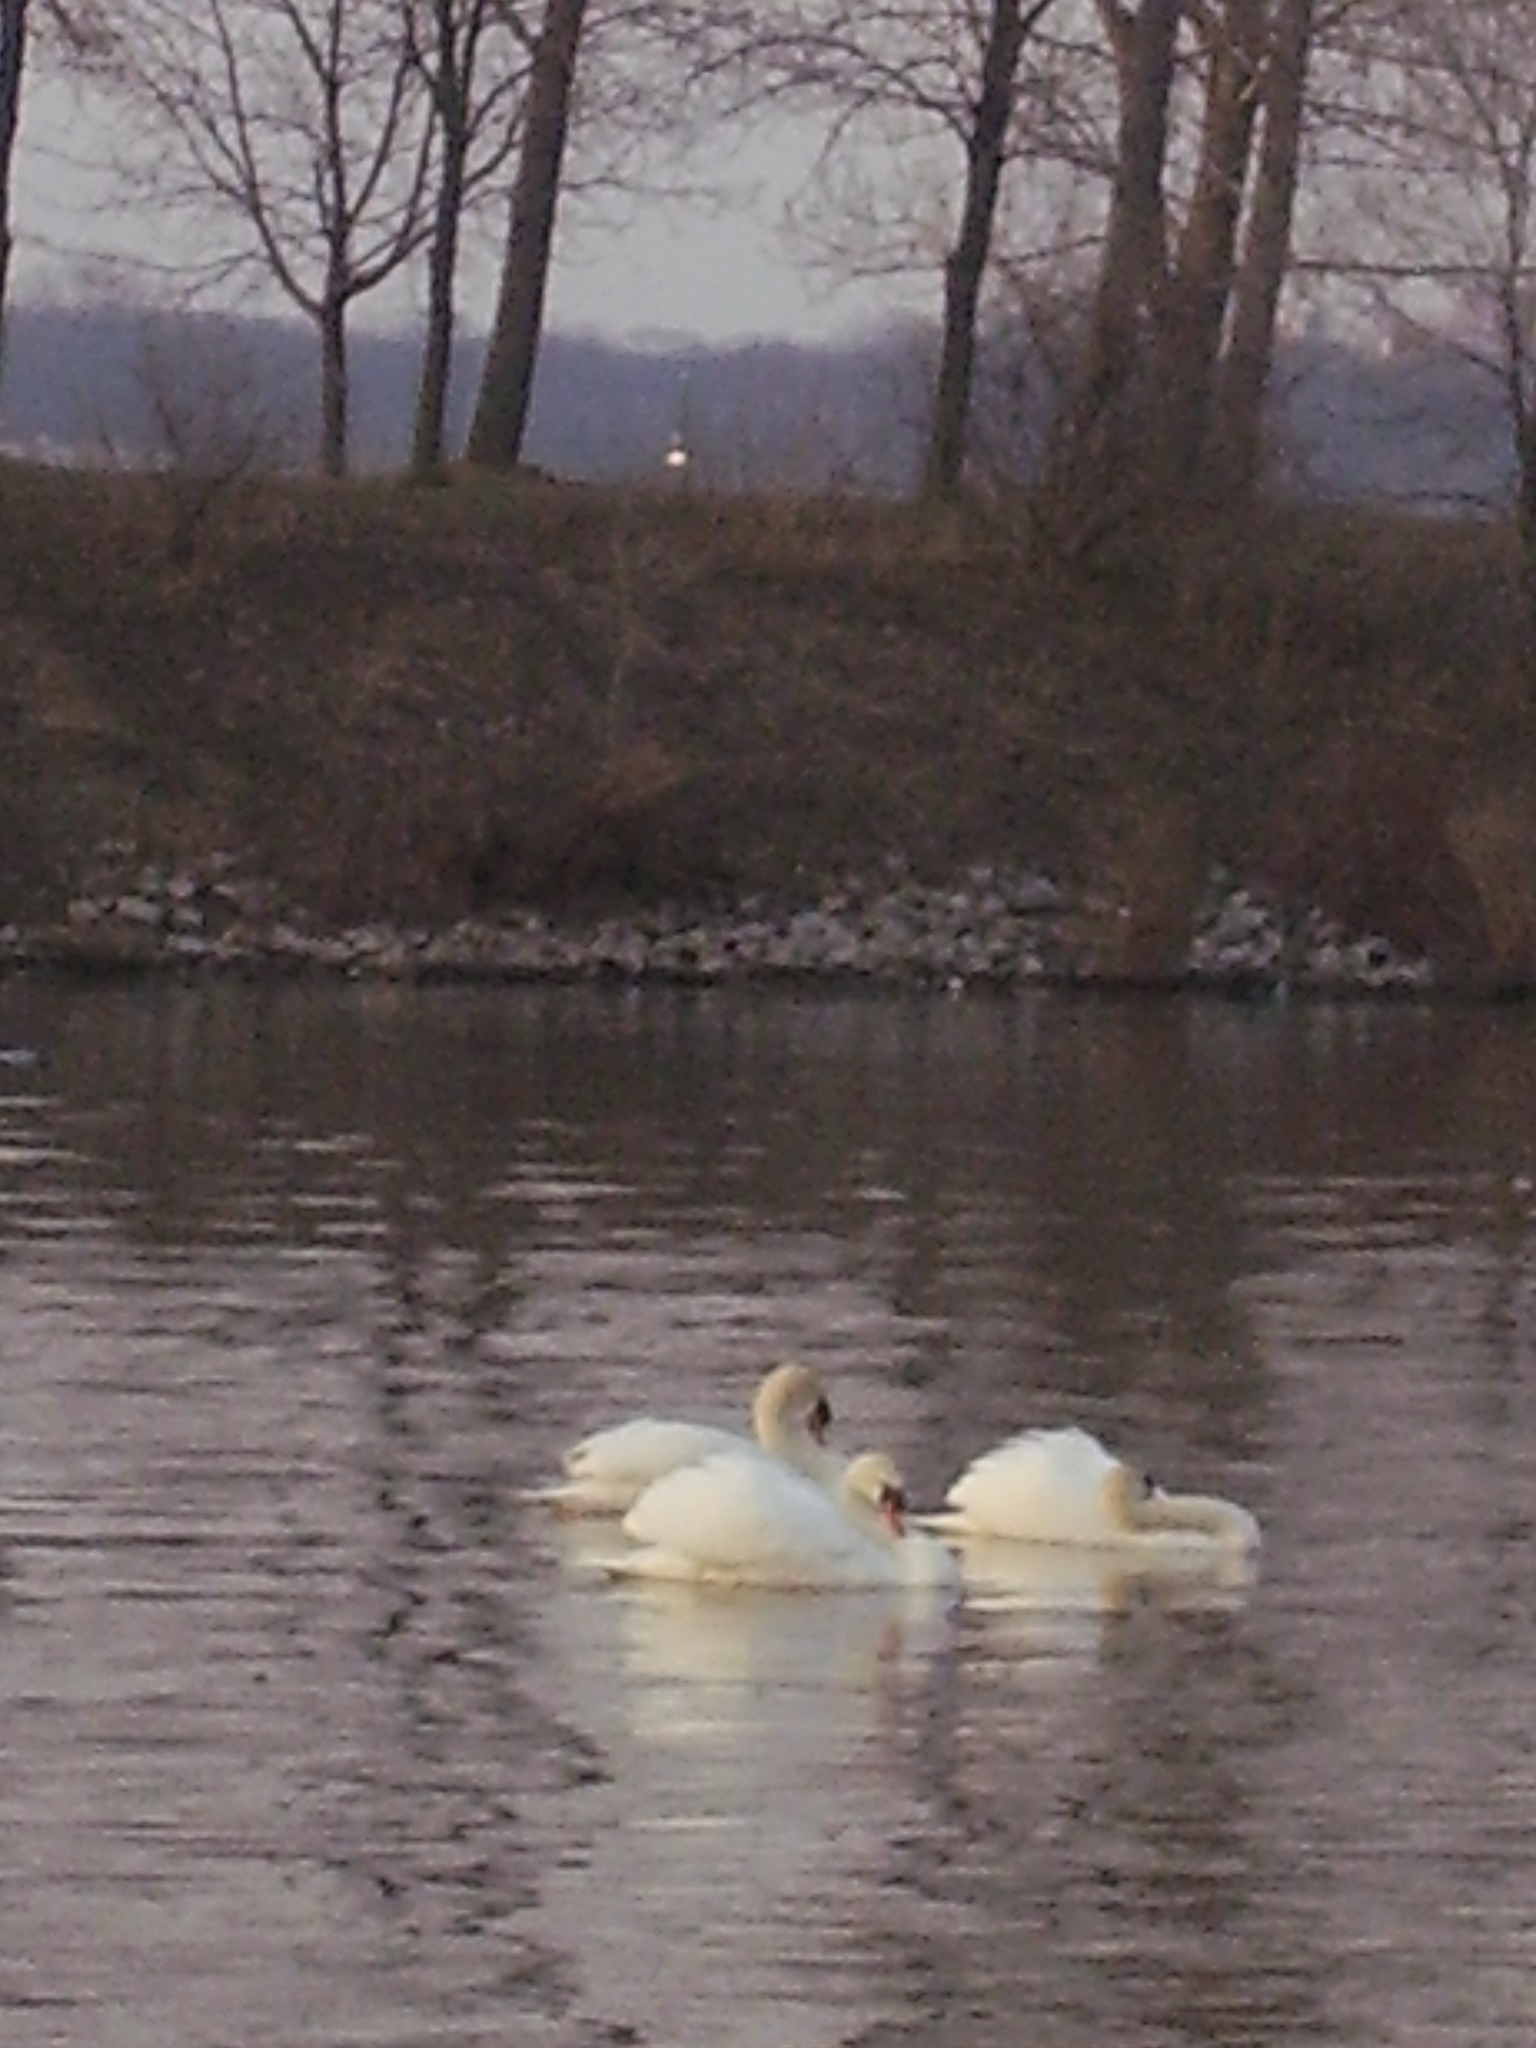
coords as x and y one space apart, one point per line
384 702
107 382
119 384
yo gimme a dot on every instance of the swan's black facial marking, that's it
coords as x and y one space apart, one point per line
892 1503
819 1421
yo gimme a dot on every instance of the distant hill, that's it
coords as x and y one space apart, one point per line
1420 425
105 382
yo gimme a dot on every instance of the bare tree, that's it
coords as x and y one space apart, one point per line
306 122
984 139
1170 397
1183 120
13 65
944 97
447 41
1230 47
1101 424
1236 446
1445 199
506 388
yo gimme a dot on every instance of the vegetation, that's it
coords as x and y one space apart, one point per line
1149 193
418 704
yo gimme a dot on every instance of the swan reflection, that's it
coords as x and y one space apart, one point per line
767 1747
777 1642
1031 1599
1038 1599
760 1745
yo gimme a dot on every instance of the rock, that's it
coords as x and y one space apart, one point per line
997 927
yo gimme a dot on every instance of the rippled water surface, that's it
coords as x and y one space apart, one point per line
314 1732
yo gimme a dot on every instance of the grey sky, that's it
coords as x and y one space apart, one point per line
674 270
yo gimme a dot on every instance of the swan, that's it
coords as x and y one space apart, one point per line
737 1520
606 1473
1063 1486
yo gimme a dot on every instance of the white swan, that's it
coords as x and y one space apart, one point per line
606 1473
1063 1486
738 1520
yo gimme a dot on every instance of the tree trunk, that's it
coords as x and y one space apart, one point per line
1200 285
1243 386
506 385
1526 518
335 404
1518 382
965 267
451 74
1098 429
442 268
13 64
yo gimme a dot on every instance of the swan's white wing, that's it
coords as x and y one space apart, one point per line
646 1447
609 1470
1041 1486
746 1519
1052 1486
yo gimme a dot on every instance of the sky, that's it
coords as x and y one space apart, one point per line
667 271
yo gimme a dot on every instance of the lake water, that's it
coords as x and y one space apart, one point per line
315 1734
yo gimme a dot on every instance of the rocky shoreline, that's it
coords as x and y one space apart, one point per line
994 927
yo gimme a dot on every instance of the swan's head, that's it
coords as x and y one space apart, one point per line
1138 1505
794 1393
1126 1489
872 1481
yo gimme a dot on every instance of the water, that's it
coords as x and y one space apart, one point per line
313 1733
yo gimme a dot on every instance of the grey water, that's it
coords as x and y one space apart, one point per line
315 1733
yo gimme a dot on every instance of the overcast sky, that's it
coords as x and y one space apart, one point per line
669 270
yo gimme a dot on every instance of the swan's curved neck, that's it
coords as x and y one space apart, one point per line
876 1507
1200 1515
781 1420
884 1518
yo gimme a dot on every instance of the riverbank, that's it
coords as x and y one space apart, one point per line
992 928
514 728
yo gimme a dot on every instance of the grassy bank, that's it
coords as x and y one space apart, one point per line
420 704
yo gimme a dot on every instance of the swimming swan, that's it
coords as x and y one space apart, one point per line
606 1473
736 1520
1063 1486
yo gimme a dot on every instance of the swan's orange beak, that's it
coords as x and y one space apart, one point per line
819 1421
893 1506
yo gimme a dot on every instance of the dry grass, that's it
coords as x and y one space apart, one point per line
417 703
1493 836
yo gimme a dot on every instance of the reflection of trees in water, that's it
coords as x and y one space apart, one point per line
1051 1196
1096 1858
446 1819
1048 1196
1094 1190
1299 1237
1390 1293
1004 1210
1220 1940
1072 1222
